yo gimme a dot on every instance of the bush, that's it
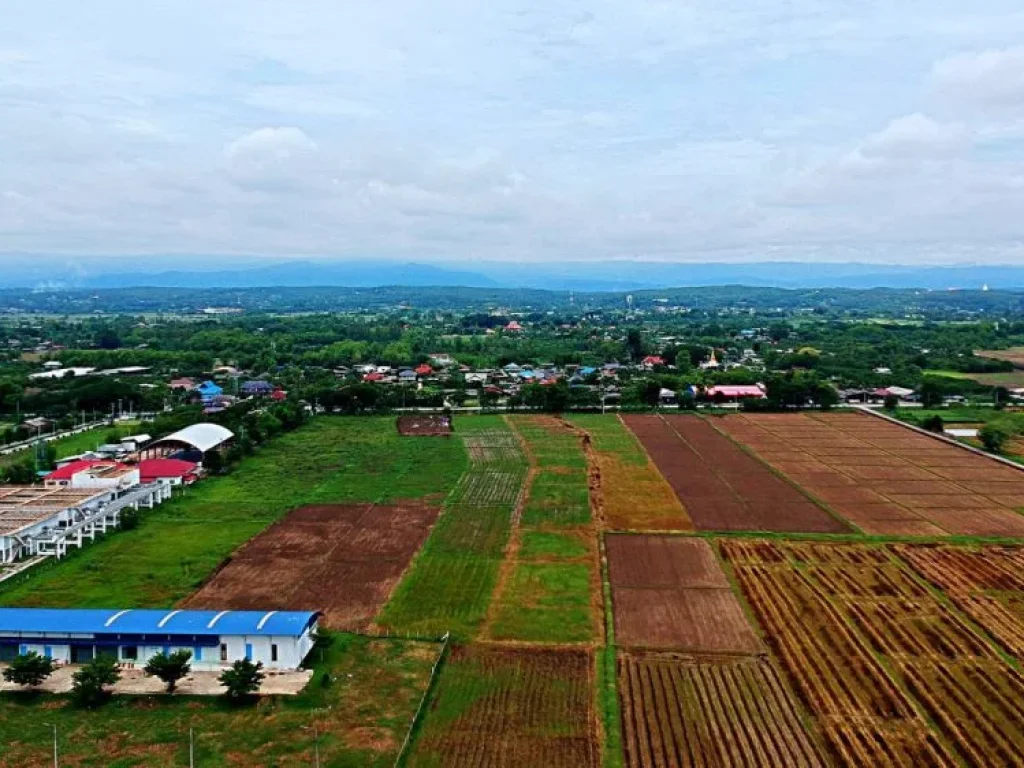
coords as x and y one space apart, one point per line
29 669
89 684
934 424
994 437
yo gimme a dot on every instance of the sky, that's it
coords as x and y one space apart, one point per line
884 131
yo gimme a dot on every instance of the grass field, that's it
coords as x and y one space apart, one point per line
1008 379
549 579
361 718
451 582
177 545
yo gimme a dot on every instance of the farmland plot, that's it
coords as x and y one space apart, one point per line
622 474
343 560
944 665
510 708
884 478
452 580
986 583
685 712
548 589
669 592
721 487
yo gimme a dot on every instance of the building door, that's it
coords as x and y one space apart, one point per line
248 651
81 654
47 651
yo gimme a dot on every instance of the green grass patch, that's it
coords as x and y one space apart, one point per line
362 717
178 544
558 497
609 435
545 602
541 545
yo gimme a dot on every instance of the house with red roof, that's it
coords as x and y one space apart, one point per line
168 471
424 370
376 376
278 395
735 392
94 473
652 361
513 327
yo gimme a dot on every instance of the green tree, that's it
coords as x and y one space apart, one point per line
892 402
242 680
213 462
170 668
934 424
89 684
931 394
994 437
635 344
29 669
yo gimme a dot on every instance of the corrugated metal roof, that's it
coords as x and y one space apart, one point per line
154 622
203 437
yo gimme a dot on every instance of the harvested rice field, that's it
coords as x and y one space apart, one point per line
694 711
893 672
884 478
621 474
721 487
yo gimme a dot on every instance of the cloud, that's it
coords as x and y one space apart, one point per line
513 129
990 78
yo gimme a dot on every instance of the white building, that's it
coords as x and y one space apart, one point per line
281 640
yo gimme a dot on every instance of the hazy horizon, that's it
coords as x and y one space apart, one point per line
815 131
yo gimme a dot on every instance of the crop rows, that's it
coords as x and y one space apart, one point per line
451 582
865 717
548 580
704 712
987 584
947 666
496 707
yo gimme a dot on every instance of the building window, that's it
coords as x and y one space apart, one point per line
130 652
273 652
223 651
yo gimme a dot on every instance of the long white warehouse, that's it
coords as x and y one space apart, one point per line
279 639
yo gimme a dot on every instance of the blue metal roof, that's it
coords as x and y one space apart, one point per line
150 622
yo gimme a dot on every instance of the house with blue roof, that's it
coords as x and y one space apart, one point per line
281 640
208 390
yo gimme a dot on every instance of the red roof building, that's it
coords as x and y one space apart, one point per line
424 370
174 471
278 395
375 376
63 475
653 360
513 326
735 392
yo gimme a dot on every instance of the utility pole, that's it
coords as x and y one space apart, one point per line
191 748
56 753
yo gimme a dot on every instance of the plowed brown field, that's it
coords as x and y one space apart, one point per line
703 712
721 487
341 559
511 708
669 592
884 478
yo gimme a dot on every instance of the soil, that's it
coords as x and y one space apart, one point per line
341 559
722 487
425 425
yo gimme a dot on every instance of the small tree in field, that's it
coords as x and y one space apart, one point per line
169 667
89 684
29 670
242 680
892 402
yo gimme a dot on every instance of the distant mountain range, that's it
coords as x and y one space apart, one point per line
234 272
